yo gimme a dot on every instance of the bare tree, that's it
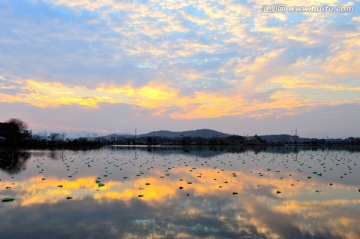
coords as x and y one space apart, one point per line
22 126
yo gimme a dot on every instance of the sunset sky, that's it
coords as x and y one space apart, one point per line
113 66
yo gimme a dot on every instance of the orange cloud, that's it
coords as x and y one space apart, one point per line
53 94
344 62
293 82
168 101
153 96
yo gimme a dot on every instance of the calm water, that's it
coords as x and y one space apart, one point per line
134 193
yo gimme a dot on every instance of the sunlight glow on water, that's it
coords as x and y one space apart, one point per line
169 193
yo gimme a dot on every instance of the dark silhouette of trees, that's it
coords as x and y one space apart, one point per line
21 126
186 141
14 131
149 141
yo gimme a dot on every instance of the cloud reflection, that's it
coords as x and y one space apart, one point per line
166 210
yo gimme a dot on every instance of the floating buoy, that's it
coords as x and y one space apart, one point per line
8 199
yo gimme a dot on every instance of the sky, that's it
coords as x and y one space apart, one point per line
113 66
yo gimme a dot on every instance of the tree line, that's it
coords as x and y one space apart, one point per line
15 133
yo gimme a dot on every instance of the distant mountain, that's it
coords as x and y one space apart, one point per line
279 138
112 136
204 133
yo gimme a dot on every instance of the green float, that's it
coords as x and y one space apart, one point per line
8 199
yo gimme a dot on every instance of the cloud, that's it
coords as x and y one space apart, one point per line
54 94
163 100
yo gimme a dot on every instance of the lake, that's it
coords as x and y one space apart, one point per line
120 192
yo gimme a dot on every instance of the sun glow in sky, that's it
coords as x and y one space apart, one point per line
112 66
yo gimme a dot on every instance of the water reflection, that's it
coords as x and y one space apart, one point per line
12 161
167 194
